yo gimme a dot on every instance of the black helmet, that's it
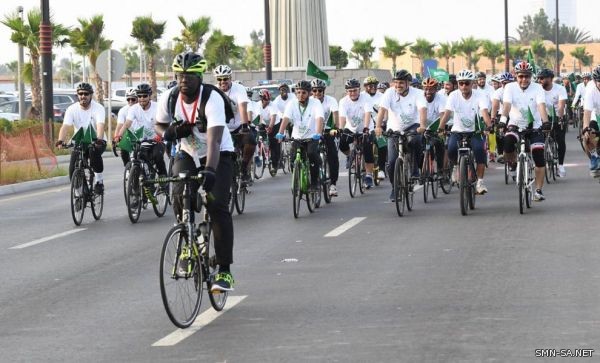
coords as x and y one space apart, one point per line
596 74
284 86
172 84
303 85
402 75
189 62
545 73
143 89
352 83
84 86
481 75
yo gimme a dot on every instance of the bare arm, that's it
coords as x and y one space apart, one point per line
243 109
336 121
444 119
100 130
561 108
213 142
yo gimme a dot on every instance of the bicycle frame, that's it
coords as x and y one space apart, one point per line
302 158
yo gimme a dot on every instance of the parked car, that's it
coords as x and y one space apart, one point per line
10 110
6 97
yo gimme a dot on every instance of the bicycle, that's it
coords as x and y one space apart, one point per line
550 156
82 185
264 155
445 175
525 171
284 157
324 175
429 172
467 175
403 181
301 178
138 193
356 172
239 188
187 258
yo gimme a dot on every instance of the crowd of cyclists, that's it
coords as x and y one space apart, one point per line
208 123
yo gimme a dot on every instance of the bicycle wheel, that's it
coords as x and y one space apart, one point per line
425 175
162 200
554 147
549 158
217 298
399 186
352 180
240 200
472 183
296 194
359 172
259 171
529 184
435 182
134 194
463 185
445 179
376 180
325 178
181 283
409 185
78 196
126 172
506 172
96 200
233 194
521 185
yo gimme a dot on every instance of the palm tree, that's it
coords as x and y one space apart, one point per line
573 35
221 48
446 50
538 49
192 34
582 56
516 52
27 33
467 47
147 32
362 50
551 57
87 41
393 49
492 51
422 49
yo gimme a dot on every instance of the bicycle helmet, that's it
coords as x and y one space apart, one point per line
130 93
189 62
352 83
84 86
481 75
264 94
143 89
415 82
545 73
318 83
506 77
523 67
496 78
370 80
171 84
587 75
222 70
303 85
402 75
596 74
465 75
382 85
429 82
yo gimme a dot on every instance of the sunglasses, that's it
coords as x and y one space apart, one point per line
223 79
131 99
182 76
464 83
524 76
301 92
83 94
143 96
317 90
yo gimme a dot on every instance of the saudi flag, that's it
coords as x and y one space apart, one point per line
256 120
434 125
531 61
440 74
330 124
84 136
129 138
314 71
530 118
479 124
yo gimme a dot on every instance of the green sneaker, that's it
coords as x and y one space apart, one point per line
223 282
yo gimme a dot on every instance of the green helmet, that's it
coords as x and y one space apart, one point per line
189 62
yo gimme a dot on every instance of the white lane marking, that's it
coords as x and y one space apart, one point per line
418 187
346 226
29 195
201 321
46 239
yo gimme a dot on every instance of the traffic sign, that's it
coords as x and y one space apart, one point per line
117 65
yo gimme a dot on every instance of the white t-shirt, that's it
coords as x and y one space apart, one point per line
330 105
122 115
266 113
435 108
237 94
403 112
376 100
523 100
195 144
280 103
557 93
498 95
141 118
354 112
486 92
591 99
78 117
304 120
580 92
465 110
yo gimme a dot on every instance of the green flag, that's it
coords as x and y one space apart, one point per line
78 136
256 120
314 71
531 61
129 138
530 119
598 118
330 124
89 136
479 124
434 126
440 74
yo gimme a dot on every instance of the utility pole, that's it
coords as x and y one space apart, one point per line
20 75
72 84
557 42
506 52
267 46
46 53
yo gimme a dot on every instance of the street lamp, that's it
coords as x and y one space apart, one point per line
21 86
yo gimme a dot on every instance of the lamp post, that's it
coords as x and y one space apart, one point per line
557 42
21 86
267 46
72 83
506 52
46 53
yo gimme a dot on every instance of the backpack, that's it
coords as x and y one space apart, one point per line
201 117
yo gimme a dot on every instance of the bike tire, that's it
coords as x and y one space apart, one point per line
174 242
398 186
472 184
352 180
549 158
376 169
135 194
78 196
528 187
126 172
555 162
506 172
359 173
425 175
218 299
435 180
446 179
240 200
463 186
409 193
162 200
96 200
296 193
521 185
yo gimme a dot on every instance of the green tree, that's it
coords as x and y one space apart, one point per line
422 49
540 27
253 58
573 35
192 34
362 50
551 57
164 61
446 51
393 49
538 49
147 32
492 51
87 40
338 57
27 33
63 72
582 56
132 61
13 68
467 47
220 49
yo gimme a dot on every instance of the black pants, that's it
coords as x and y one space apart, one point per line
95 157
275 147
312 152
125 157
218 209
155 155
333 160
558 133
382 153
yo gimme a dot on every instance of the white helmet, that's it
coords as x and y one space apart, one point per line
130 93
465 75
222 70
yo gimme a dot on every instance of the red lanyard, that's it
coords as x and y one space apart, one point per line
193 119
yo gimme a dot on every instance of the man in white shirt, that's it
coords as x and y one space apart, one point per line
497 97
525 101
81 115
284 97
580 90
267 125
591 112
436 107
370 84
121 118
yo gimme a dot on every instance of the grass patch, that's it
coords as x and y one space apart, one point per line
11 174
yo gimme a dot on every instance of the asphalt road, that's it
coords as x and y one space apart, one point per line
432 286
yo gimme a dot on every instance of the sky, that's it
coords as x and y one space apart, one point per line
405 20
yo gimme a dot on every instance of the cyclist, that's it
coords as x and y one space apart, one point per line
283 98
525 102
591 110
84 114
556 100
269 123
580 90
436 107
464 106
382 87
496 82
497 97
306 115
355 118
406 109
244 137
202 143
121 118
330 110
370 84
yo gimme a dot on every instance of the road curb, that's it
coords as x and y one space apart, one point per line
33 185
